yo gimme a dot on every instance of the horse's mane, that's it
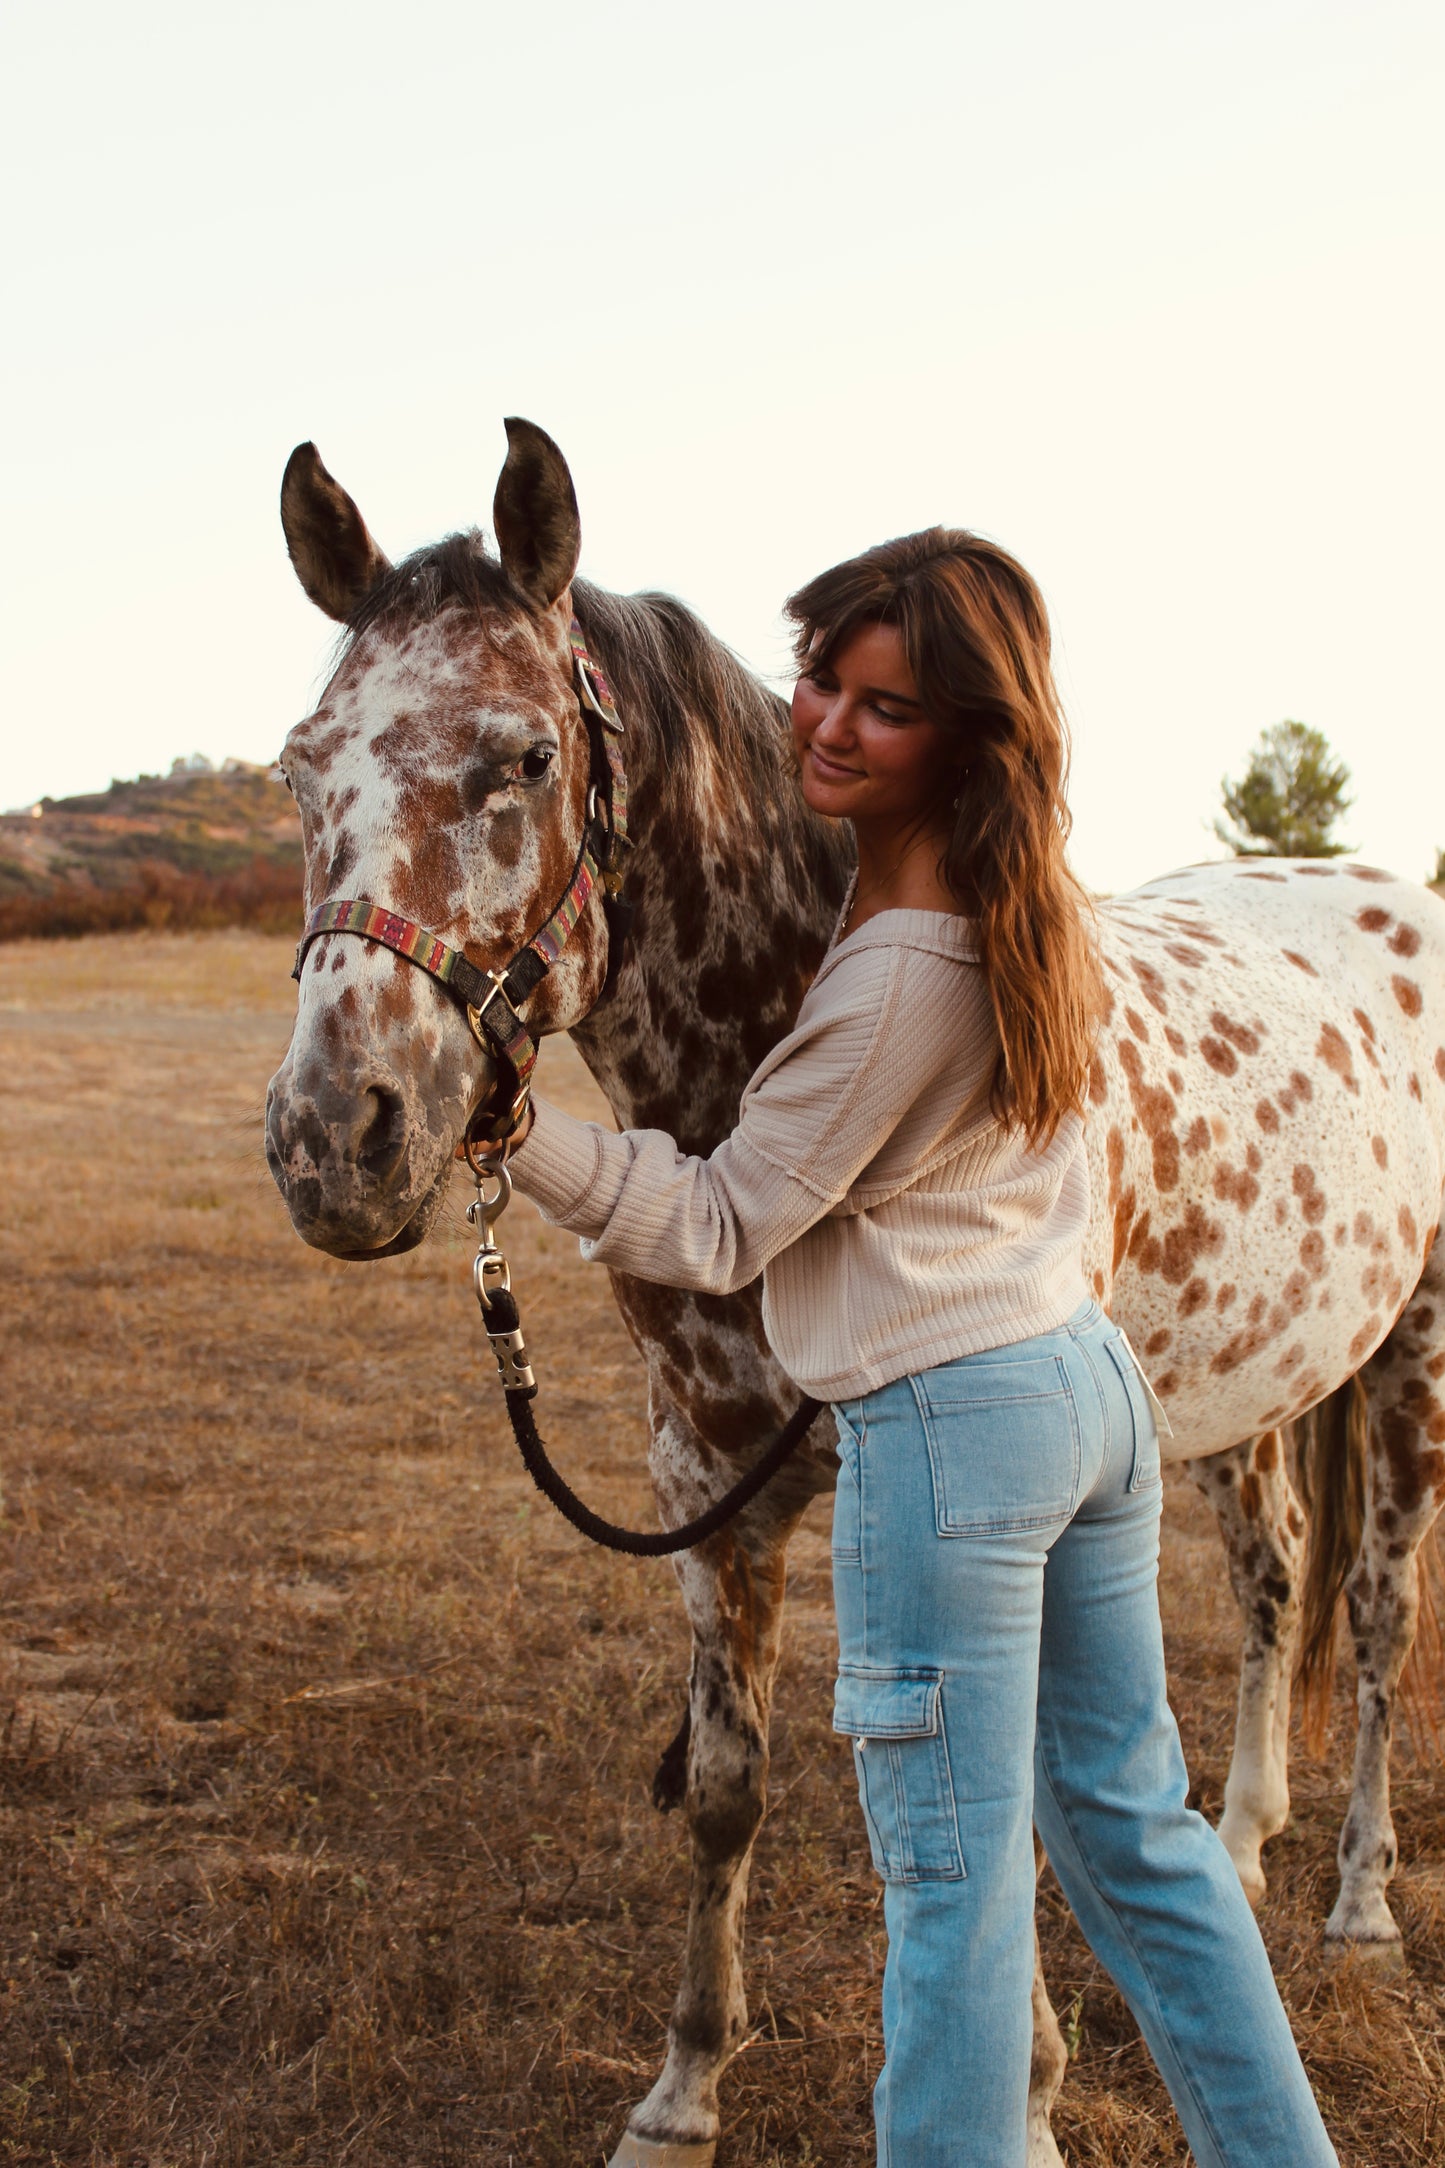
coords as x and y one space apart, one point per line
668 670
665 663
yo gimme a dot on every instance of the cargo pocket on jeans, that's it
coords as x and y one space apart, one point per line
1146 1469
900 1752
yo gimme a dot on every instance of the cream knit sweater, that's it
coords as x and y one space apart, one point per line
896 1223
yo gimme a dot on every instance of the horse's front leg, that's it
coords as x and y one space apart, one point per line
733 1590
1263 1527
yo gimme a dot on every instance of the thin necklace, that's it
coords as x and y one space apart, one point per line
891 874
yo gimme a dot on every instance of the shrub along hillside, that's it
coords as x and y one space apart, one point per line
201 846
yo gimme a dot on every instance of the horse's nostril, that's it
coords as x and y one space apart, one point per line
381 1142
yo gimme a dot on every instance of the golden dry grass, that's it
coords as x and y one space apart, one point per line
325 1748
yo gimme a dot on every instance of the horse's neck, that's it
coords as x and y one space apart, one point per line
736 887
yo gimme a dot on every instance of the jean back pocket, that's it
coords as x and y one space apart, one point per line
900 1752
1003 1442
1146 1468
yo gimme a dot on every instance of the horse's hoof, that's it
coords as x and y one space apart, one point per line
1365 1924
639 2152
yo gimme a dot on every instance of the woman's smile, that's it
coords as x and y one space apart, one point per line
865 747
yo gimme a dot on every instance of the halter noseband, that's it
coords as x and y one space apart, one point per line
492 999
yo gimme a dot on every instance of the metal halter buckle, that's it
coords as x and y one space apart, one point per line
589 692
474 1014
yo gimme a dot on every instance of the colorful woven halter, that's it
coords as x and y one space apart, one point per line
493 999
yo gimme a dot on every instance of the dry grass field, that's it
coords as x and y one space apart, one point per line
325 1748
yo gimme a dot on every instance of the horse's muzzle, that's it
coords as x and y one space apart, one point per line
362 1170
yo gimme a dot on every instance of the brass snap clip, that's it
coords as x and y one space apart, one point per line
490 1269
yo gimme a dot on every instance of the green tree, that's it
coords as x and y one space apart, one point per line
1289 798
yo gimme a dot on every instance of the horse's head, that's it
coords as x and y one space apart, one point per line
444 776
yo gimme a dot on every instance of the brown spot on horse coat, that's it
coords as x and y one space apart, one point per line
1404 941
1364 1339
1408 994
1297 1090
1137 1025
1381 1151
1195 1236
1219 1056
1372 919
1244 1037
1155 1110
1248 1341
1235 1186
1301 963
1194 1297
1309 1193
1334 1052
1152 982
1267 1117
1145 1249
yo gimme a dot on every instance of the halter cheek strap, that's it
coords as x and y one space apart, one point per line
492 999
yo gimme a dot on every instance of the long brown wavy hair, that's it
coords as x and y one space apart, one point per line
976 634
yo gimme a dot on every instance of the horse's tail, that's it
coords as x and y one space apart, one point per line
1332 1442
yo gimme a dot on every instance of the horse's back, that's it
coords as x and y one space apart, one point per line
1266 1129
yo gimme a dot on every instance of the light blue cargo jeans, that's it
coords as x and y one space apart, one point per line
995 1559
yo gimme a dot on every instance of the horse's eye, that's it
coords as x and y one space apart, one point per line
534 764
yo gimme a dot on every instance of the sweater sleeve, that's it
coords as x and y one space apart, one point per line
812 1118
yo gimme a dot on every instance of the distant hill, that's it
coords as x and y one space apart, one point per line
202 846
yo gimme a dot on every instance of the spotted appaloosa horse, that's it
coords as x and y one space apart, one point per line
1267 1133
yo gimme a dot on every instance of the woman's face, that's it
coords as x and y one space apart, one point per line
865 747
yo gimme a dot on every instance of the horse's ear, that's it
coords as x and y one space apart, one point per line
336 560
535 517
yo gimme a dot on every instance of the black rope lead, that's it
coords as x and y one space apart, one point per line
502 1318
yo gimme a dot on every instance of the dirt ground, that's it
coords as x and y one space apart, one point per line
325 1748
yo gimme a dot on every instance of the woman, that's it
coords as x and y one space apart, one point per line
908 1174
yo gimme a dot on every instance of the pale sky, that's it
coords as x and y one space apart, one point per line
1151 293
